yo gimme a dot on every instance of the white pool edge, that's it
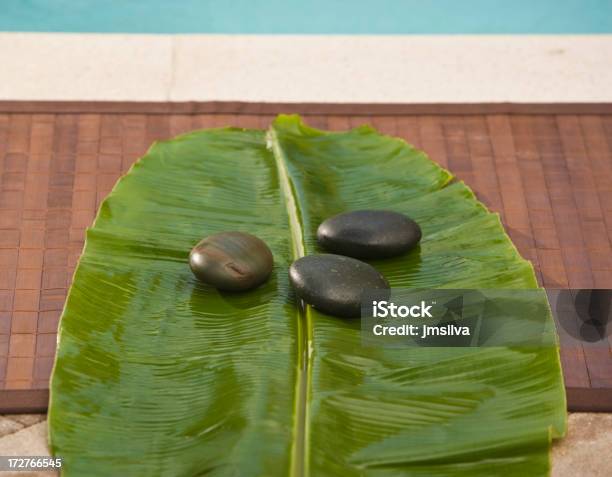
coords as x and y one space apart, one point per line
307 68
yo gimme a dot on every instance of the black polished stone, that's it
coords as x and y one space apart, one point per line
231 261
369 234
334 284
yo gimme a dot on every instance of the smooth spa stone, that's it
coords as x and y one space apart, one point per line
369 234
231 261
334 284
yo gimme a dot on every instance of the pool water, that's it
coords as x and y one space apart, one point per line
309 17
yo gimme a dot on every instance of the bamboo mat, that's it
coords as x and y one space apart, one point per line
546 170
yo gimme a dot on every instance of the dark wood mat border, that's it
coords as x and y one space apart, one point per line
588 400
239 107
24 401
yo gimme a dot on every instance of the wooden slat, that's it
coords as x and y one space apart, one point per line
432 139
407 127
546 169
344 109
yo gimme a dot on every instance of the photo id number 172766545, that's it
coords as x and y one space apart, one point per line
29 463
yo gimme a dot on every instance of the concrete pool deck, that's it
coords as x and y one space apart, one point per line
302 68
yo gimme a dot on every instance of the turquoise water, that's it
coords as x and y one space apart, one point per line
308 16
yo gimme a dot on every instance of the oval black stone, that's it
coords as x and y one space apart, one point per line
369 234
231 261
334 284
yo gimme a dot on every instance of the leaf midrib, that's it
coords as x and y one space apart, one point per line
299 448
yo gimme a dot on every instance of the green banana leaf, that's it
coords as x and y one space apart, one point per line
157 374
